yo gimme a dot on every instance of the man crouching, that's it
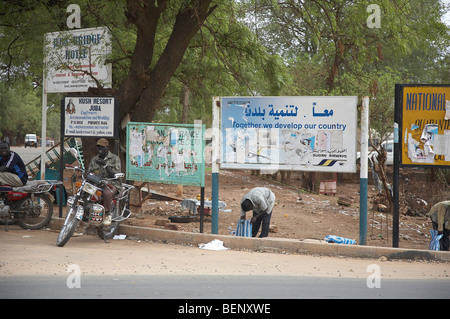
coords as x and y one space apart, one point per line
261 200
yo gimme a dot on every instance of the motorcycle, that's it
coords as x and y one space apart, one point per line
29 206
85 206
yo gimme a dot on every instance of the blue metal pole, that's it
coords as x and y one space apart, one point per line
215 204
215 165
362 211
363 170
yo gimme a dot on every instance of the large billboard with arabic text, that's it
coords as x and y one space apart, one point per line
289 133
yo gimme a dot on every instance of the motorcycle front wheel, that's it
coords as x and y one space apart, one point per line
70 224
34 212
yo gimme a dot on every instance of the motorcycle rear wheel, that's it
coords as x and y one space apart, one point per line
108 232
70 224
34 214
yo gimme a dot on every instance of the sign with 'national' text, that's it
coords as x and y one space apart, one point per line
425 124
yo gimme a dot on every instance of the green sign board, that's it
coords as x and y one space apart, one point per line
166 153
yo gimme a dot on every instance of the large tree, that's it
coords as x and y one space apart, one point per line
150 40
142 89
157 45
335 47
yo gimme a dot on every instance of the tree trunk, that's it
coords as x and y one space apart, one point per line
379 169
146 19
140 93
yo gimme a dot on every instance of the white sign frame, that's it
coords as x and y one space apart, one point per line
89 116
74 58
289 133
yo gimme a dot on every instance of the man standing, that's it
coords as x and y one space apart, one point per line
261 200
12 168
440 219
105 164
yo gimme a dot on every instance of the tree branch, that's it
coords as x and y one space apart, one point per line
188 22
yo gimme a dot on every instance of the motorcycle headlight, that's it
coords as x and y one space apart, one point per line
70 200
89 188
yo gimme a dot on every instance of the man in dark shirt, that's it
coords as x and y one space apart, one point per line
12 168
105 165
440 219
261 201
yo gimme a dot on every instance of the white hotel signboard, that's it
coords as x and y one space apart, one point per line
75 60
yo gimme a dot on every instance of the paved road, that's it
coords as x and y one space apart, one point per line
31 266
29 153
216 287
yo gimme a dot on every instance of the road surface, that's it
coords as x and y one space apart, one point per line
28 154
32 266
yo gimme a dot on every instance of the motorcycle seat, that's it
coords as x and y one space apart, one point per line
5 188
30 187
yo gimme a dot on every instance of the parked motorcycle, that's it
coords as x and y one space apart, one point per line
86 206
29 206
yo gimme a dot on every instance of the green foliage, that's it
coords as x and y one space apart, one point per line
246 47
19 112
330 49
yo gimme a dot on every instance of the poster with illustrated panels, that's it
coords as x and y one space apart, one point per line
289 133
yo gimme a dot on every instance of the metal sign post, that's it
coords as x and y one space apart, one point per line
363 171
215 165
421 133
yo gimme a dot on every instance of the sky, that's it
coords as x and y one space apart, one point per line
446 17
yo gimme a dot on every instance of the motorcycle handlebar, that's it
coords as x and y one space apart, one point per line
73 167
104 180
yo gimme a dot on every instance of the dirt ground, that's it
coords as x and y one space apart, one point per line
297 214
34 253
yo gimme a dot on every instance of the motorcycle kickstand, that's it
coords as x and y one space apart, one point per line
6 224
107 241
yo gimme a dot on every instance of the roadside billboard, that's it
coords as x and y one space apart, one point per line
424 125
75 60
166 153
289 133
90 116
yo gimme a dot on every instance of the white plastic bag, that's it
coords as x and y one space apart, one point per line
213 245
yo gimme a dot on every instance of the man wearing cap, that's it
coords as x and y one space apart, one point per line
105 164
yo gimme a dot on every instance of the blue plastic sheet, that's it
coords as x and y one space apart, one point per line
339 240
244 228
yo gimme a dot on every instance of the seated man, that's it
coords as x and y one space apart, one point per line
12 168
105 165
